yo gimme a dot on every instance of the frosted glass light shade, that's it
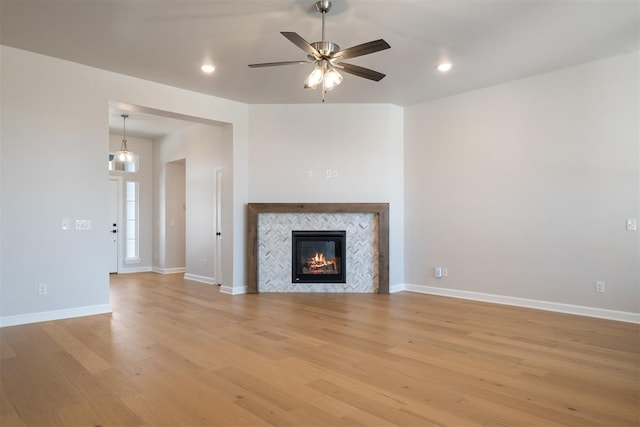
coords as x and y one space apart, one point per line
315 78
332 78
124 156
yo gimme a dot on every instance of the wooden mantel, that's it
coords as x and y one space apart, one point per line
381 211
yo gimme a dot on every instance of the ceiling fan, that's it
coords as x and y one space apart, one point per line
327 57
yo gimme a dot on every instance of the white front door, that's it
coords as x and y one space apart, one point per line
113 225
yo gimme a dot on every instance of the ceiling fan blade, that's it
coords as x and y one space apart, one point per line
356 70
361 49
275 64
296 39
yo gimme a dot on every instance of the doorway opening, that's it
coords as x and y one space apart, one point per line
203 149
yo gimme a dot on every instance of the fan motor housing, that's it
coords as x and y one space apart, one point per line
326 49
323 6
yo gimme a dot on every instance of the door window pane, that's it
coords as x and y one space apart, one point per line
131 221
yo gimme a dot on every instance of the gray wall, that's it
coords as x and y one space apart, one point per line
523 189
203 149
49 108
362 143
520 189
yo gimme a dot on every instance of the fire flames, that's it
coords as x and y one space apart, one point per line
319 262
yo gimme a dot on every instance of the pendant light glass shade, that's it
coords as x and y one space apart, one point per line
124 155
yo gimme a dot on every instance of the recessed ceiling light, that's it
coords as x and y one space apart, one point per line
208 68
443 67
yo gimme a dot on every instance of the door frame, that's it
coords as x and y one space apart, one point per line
119 214
218 227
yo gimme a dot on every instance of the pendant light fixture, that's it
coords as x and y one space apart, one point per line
124 155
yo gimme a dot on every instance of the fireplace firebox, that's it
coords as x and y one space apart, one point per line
318 257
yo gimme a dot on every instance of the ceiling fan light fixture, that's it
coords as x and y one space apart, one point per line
327 56
315 78
332 78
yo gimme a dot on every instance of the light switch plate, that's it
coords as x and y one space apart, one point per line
632 224
83 224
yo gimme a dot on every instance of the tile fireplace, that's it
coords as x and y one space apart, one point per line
322 260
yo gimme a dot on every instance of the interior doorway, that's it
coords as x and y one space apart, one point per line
175 214
203 149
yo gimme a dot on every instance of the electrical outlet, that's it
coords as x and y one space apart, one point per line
600 287
632 224
438 273
42 289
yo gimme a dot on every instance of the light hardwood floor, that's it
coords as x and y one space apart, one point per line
176 352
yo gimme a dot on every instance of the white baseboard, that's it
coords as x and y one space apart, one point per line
601 313
396 288
130 270
45 316
201 279
233 291
161 270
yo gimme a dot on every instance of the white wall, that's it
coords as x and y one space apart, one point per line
49 108
202 146
143 148
523 189
363 143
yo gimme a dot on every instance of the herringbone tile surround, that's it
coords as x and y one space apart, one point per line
274 250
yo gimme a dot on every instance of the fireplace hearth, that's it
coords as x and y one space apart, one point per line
318 257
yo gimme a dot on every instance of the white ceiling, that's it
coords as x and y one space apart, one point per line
145 122
166 41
